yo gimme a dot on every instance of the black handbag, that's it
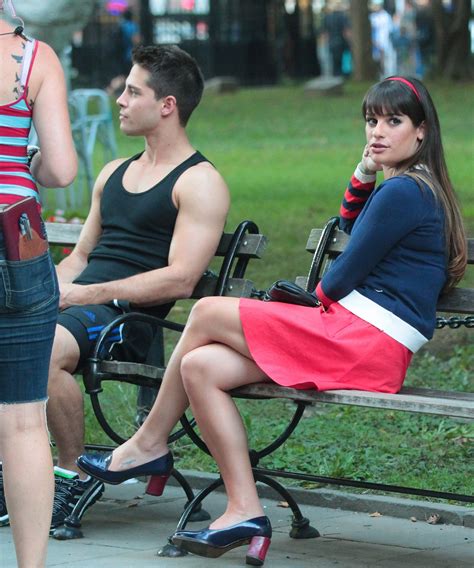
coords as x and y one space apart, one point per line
290 293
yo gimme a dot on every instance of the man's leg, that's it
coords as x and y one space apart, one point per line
76 333
65 408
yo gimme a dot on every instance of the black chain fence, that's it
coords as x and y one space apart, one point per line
454 322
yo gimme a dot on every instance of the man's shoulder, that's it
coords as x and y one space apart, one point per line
107 171
113 165
202 182
203 171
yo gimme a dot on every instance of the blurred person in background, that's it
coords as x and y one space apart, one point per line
335 27
404 38
425 35
125 38
382 48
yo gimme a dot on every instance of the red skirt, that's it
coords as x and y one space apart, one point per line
307 348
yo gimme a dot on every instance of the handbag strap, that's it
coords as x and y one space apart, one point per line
319 253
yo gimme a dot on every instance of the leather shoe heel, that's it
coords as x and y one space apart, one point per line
257 550
156 485
98 466
212 543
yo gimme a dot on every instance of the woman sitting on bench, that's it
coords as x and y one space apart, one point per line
378 307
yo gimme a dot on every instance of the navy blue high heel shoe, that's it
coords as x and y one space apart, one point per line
215 542
159 469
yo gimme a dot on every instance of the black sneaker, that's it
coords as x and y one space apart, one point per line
71 495
4 519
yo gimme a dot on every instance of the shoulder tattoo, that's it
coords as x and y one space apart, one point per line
19 60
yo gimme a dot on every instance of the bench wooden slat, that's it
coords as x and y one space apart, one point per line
63 233
252 246
435 393
124 368
265 390
337 244
340 240
456 406
235 288
470 251
458 300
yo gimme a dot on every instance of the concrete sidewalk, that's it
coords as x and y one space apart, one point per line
126 528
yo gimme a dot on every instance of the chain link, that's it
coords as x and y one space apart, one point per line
258 294
454 322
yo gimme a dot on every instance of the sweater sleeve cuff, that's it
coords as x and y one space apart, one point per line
325 300
364 177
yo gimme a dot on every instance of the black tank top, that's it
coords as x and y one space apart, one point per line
137 228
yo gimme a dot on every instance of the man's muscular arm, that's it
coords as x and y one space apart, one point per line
202 198
71 266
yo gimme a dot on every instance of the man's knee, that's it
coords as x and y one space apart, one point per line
65 354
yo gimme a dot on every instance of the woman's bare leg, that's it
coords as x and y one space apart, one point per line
28 479
209 372
211 320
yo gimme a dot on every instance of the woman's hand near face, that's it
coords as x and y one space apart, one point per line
367 164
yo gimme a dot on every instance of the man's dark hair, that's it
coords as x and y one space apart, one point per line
172 72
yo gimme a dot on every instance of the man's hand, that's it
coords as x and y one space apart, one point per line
75 294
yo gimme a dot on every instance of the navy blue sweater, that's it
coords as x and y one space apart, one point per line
396 255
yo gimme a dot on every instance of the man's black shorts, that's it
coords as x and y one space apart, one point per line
128 342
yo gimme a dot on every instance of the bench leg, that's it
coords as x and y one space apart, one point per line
300 527
72 523
71 528
191 508
197 513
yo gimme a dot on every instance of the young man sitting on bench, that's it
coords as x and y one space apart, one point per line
154 224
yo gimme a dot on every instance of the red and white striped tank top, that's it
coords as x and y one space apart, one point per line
16 181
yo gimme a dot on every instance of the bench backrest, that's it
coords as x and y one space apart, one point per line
459 300
236 250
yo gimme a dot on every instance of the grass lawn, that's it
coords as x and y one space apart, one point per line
287 157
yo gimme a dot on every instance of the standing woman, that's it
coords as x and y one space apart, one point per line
32 88
378 307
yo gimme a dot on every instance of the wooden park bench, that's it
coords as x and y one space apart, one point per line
418 400
454 404
101 375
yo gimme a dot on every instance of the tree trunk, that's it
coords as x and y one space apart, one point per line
364 68
453 53
146 22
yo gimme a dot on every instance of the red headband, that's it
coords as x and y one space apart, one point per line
408 84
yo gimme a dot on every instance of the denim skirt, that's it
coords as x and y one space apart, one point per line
29 297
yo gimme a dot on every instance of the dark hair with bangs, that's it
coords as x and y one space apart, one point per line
395 96
172 72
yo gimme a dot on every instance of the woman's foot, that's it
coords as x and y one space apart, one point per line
98 466
131 454
230 518
214 542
